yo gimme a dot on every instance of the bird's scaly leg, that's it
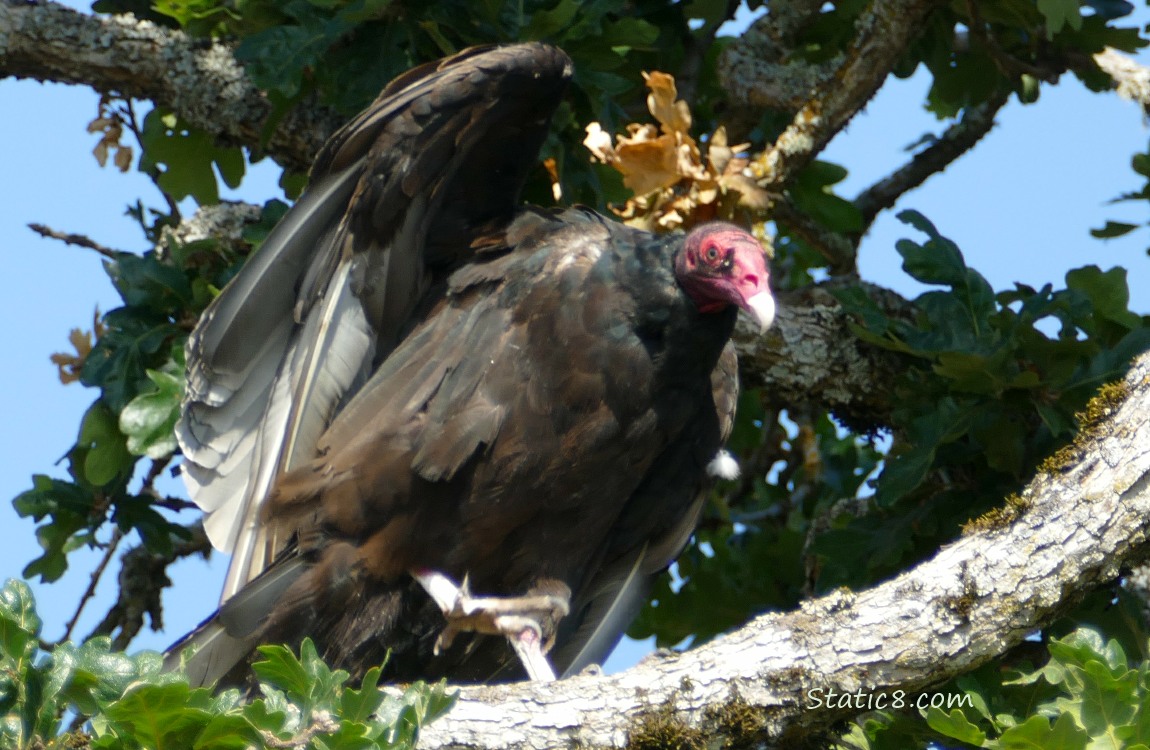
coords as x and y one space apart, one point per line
518 618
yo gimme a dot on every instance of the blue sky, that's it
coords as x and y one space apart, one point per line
1019 206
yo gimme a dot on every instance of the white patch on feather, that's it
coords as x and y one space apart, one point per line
582 252
723 466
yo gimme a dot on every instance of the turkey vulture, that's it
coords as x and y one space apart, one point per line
418 389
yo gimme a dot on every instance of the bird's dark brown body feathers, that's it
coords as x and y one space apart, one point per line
524 399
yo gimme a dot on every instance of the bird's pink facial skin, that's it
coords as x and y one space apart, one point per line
722 265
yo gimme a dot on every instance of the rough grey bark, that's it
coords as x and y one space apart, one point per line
1073 529
198 80
810 356
884 30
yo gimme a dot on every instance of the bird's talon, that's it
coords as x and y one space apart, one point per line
519 619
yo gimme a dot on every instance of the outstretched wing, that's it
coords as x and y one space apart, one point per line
397 198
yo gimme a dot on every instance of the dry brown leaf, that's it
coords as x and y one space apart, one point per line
71 364
123 158
708 191
719 154
672 184
674 116
99 125
751 195
111 130
648 165
101 152
689 162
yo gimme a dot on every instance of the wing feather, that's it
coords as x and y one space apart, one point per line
397 197
678 484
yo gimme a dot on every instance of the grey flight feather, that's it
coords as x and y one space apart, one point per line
328 293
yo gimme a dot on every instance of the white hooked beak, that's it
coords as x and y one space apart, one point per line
761 307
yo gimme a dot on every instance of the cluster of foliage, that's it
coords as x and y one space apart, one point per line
986 394
992 384
112 700
672 186
1088 694
1140 163
137 364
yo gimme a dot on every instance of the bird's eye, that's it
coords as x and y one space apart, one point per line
711 253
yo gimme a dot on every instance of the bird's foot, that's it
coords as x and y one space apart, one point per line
520 619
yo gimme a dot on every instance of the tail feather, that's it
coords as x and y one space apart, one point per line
224 640
616 596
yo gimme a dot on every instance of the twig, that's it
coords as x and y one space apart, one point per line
143 577
154 471
74 239
959 138
174 504
838 249
97 574
322 723
167 502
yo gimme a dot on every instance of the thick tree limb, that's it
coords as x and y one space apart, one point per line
885 29
199 80
810 356
755 69
1072 530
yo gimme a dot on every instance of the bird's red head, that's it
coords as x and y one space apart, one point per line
723 265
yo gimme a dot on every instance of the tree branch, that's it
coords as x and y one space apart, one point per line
1131 80
93 581
1075 526
143 578
755 69
838 249
198 80
68 238
810 355
885 29
959 138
